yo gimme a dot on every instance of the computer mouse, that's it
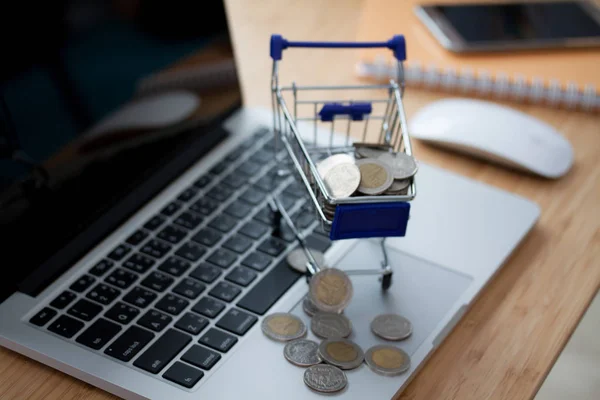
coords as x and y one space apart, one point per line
493 132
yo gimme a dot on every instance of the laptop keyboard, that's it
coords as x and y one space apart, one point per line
181 290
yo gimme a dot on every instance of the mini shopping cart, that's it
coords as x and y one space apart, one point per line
356 216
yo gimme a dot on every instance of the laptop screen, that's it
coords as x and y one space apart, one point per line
97 99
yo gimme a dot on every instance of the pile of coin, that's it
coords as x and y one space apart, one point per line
372 170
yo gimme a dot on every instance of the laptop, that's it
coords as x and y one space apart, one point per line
143 255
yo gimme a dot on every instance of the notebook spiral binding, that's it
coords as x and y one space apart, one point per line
481 83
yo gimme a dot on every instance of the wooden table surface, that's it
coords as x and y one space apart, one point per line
506 344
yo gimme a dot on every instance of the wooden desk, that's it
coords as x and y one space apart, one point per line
507 343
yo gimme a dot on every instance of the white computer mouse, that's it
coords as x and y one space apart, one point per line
494 132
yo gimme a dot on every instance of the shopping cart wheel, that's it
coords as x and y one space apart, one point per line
386 281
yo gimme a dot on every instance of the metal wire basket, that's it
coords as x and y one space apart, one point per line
355 216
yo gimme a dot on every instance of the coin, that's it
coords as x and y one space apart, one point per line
391 326
387 360
283 327
309 307
375 176
342 180
403 166
370 151
297 259
330 325
325 378
330 289
398 186
325 165
302 352
342 353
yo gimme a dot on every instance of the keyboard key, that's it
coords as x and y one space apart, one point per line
121 278
65 326
174 266
285 233
208 307
154 222
129 344
183 375
187 195
242 276
119 252
222 258
172 234
287 201
85 310
303 219
248 169
139 263
158 281
272 246
203 181
220 192
43 316
207 237
238 243
235 154
161 352
191 251
170 209
155 320
265 215
137 237
270 180
254 229
206 273
172 304
253 196
318 242
238 209
188 220
156 248
192 323
219 168
140 297
296 189
201 357
204 206
189 288
101 268
223 223
258 261
63 300
237 321
218 340
225 291
98 334
263 157
81 284
235 180
269 289
122 313
103 294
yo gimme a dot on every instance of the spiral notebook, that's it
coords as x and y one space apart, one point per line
567 78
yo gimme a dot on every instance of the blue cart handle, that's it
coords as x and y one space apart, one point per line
397 44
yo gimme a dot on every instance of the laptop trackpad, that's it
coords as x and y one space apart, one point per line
421 291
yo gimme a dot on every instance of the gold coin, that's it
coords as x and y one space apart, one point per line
388 358
341 351
283 326
330 290
375 176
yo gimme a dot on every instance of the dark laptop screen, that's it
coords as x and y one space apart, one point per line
72 66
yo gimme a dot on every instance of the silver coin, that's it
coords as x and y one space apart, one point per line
399 185
403 166
330 325
325 165
309 307
342 180
387 360
370 152
283 327
375 176
325 378
302 352
297 259
342 353
391 327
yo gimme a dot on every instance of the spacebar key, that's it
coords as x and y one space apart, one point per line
270 288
